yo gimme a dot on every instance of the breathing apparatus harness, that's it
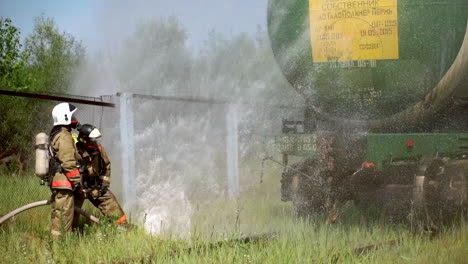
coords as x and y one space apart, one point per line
54 164
97 163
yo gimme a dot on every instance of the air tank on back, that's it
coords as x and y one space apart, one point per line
388 62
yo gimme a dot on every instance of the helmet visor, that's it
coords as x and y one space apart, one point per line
94 134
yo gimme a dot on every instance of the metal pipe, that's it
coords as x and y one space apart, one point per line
63 97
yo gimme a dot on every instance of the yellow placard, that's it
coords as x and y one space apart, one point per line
353 30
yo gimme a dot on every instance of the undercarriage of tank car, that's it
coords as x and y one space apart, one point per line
419 177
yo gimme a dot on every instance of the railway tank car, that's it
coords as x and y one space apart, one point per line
385 84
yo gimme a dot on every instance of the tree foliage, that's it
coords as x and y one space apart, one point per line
54 57
12 58
14 119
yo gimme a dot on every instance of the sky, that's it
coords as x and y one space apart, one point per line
103 24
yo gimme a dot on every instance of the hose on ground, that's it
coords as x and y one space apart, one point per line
42 203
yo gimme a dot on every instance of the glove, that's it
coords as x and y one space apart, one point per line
76 187
82 169
104 187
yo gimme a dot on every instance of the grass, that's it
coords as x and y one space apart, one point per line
216 229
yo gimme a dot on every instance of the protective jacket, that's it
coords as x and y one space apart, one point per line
94 161
63 170
96 167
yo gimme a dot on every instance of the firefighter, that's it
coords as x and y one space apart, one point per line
64 176
95 168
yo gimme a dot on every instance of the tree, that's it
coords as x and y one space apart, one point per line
13 117
12 59
54 57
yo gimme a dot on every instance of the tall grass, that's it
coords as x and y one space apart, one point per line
214 238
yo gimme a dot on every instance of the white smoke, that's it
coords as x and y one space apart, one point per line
180 147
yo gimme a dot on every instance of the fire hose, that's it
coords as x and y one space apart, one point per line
41 203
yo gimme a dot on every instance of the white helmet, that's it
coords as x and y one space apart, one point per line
62 113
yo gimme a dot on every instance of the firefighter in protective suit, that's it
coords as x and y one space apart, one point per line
64 176
95 170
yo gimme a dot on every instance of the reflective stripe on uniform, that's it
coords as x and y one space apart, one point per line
73 173
121 219
61 184
105 178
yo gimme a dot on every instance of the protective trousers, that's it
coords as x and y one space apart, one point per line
107 204
62 205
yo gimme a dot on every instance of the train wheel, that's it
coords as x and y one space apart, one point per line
437 202
424 204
